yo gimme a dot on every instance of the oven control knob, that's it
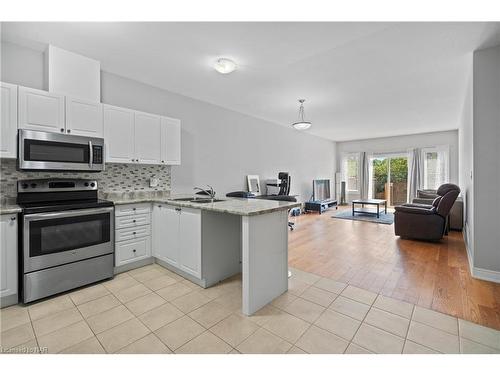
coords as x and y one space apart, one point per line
86 184
24 186
92 184
33 185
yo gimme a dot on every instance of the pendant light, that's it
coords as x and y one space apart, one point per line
301 124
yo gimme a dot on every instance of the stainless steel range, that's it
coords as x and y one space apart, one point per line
66 236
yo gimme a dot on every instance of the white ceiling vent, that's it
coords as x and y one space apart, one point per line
72 74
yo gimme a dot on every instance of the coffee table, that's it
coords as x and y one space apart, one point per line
368 202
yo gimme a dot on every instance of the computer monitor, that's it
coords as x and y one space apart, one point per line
321 190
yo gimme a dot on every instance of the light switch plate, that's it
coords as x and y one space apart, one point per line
153 181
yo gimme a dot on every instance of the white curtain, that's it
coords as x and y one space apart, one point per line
364 179
415 172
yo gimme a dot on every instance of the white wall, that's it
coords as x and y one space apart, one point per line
486 163
219 147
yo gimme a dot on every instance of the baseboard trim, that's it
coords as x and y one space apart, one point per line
487 275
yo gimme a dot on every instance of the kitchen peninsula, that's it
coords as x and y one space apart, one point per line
209 242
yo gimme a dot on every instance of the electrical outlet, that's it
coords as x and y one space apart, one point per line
153 181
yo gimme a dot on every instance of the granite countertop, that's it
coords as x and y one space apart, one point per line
235 206
9 206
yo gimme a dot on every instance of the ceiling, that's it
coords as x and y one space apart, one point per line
360 80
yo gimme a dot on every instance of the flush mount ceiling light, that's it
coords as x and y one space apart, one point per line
225 66
301 124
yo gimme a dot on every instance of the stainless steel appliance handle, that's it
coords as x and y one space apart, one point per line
91 158
70 213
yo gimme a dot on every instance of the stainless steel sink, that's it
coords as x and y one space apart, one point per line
184 199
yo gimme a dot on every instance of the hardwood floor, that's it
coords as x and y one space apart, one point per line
369 255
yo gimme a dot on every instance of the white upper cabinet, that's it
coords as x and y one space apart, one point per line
171 141
8 124
41 110
84 117
148 143
119 134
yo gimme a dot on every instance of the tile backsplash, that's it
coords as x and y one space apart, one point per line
115 178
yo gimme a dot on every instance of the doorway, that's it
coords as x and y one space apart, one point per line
389 178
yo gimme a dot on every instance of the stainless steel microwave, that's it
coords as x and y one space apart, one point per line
51 151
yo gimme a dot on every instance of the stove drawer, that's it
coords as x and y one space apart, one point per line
133 250
132 209
125 234
132 220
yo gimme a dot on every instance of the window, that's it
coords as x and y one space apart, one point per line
351 171
435 167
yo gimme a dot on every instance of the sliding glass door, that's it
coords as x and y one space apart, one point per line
389 178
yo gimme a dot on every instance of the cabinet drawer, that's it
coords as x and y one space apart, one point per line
131 251
125 234
132 209
132 220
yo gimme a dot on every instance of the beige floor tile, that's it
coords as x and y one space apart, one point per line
214 291
65 337
433 338
50 306
296 286
436 319
286 326
480 334
98 305
330 285
210 314
109 319
145 303
122 281
378 341
56 321
295 350
173 275
16 336
304 310
356 349
206 343
285 299
234 351
142 269
179 332
122 335
471 347
231 301
350 307
263 342
190 302
191 285
306 277
234 329
89 346
388 322
338 324
149 344
414 348
174 291
358 294
319 341
319 296
129 294
88 294
262 316
159 282
160 316
394 306
13 316
153 273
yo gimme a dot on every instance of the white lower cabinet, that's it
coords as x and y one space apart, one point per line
132 234
8 264
177 237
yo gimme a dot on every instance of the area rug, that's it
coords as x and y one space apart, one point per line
387 218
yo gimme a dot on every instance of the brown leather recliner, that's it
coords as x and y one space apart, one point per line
426 222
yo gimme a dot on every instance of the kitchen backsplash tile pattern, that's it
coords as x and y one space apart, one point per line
115 178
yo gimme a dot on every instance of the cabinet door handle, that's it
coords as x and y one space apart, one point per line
69 130
134 233
134 208
177 209
134 250
133 221
62 130
13 218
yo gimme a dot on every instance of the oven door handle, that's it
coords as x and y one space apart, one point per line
91 156
69 213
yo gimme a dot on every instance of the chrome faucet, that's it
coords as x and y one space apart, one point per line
210 192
